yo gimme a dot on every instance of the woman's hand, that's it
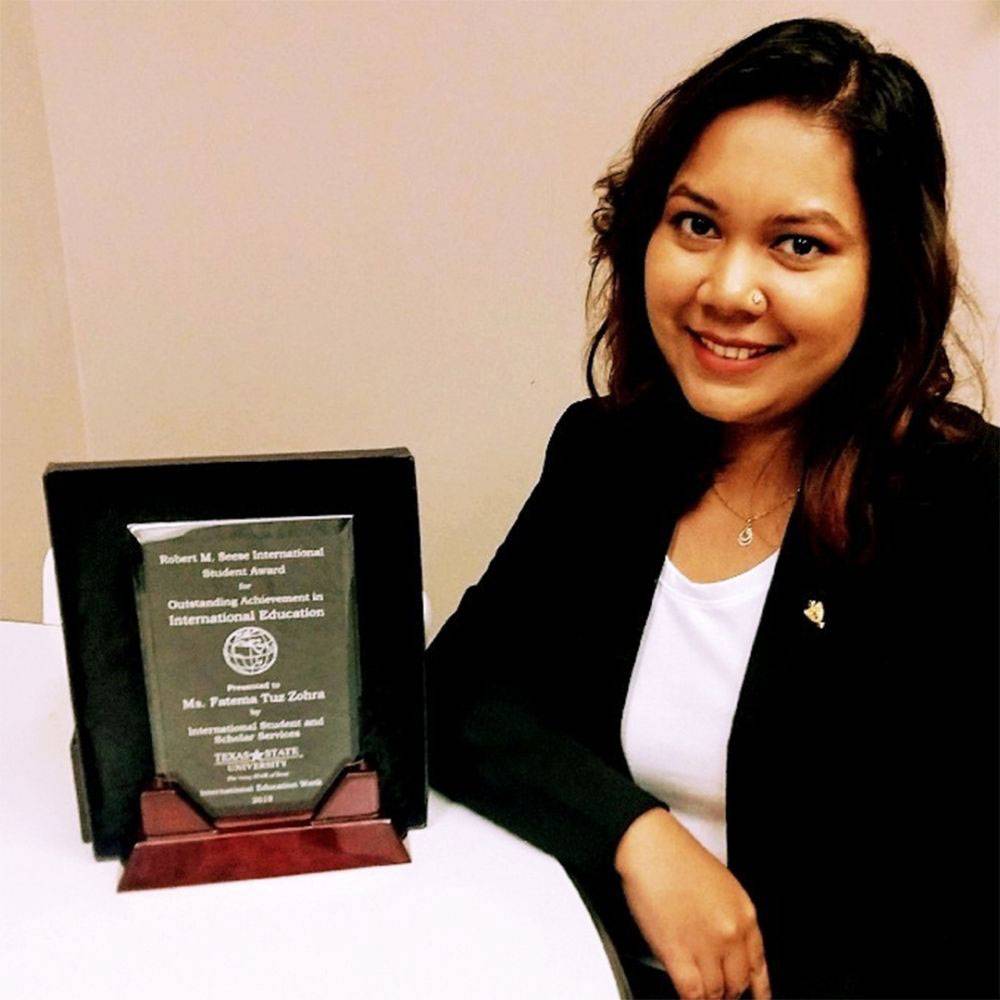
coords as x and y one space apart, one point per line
695 915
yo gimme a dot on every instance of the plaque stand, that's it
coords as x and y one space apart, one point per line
179 846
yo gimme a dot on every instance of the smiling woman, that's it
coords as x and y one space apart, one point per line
751 315
735 665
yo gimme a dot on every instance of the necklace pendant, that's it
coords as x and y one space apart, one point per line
745 537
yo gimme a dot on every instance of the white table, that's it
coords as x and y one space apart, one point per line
479 913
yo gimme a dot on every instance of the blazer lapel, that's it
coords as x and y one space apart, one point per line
788 700
648 494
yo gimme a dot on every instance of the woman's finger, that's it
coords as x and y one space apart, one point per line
686 979
736 970
712 977
760 983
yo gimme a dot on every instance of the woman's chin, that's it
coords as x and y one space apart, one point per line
727 407
758 417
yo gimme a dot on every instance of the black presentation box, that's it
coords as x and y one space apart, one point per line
89 506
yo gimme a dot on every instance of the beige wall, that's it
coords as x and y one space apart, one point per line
41 418
319 226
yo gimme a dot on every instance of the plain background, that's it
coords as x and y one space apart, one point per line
239 228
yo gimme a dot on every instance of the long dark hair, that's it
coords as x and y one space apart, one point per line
892 388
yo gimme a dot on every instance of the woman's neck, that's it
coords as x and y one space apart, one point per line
764 464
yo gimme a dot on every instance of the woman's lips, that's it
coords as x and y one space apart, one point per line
717 364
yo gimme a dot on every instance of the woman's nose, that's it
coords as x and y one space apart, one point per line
730 282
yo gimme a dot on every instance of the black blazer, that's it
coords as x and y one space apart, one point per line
862 779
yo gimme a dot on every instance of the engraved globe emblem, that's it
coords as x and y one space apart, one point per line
250 650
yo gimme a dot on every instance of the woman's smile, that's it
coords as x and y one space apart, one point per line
729 357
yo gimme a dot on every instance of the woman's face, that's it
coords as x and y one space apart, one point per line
762 244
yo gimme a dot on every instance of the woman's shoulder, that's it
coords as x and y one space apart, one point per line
958 451
578 438
583 426
600 421
950 476
621 454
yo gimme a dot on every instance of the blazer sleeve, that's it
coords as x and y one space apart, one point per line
495 742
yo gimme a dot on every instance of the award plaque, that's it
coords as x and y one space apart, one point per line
250 653
244 639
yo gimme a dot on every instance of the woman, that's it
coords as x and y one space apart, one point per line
735 665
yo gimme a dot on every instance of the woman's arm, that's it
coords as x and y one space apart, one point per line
697 918
495 743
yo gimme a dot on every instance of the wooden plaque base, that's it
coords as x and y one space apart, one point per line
179 846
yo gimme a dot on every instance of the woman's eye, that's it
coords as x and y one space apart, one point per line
693 224
802 247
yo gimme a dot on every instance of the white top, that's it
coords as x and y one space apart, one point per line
682 696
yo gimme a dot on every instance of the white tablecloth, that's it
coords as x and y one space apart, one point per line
479 913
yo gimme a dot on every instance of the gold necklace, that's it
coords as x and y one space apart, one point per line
745 537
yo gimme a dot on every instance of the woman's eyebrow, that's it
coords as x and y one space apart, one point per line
816 216
682 190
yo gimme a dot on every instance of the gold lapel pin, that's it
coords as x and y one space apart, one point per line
815 613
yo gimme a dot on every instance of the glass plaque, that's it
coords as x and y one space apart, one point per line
250 654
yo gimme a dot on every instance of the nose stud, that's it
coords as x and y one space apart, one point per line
757 297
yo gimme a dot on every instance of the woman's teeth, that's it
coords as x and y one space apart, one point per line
734 353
